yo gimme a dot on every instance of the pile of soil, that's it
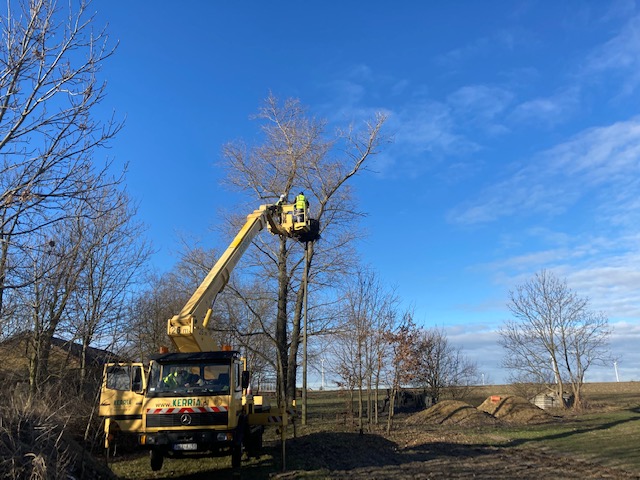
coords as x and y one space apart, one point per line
340 451
514 410
452 412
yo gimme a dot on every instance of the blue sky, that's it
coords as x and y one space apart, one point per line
515 125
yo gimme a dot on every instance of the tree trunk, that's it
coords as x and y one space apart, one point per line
83 366
39 361
4 250
294 347
392 406
281 325
360 408
376 400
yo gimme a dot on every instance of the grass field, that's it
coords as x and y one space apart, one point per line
606 435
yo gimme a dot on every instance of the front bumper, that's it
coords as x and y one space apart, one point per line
193 440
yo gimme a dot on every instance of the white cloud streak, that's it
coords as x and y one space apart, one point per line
620 55
605 157
550 110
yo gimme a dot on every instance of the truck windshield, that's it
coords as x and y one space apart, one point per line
167 379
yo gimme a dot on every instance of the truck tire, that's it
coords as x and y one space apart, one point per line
253 444
156 457
236 456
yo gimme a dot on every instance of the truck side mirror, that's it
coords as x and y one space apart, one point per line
245 378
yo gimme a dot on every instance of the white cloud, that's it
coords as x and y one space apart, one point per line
607 158
605 270
623 345
424 133
611 284
599 155
487 46
481 106
550 110
621 55
428 126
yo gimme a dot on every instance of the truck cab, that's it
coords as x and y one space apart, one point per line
187 402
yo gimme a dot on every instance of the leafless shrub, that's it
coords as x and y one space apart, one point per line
35 443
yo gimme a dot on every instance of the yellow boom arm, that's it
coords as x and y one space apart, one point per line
188 329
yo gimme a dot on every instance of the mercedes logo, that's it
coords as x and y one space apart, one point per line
185 419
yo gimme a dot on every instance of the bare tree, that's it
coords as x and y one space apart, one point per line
239 313
361 352
371 311
165 295
401 339
149 311
114 253
49 90
298 155
439 365
56 263
554 338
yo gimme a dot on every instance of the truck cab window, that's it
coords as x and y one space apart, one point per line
119 378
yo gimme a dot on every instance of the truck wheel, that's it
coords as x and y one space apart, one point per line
156 457
254 444
236 456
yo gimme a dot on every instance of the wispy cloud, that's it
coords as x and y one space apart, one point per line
504 39
600 167
555 179
610 282
621 56
428 126
550 110
481 106
424 130
424 133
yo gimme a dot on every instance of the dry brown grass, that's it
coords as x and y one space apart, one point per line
36 444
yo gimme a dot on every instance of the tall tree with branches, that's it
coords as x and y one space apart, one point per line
114 253
361 347
437 365
554 337
298 155
57 262
49 90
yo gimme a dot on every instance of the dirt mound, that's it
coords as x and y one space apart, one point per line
452 412
340 450
513 409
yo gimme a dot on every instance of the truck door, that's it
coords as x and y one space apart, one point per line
122 395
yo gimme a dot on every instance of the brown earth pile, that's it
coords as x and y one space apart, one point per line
515 410
452 412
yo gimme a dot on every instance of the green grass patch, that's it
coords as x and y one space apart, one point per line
136 467
609 438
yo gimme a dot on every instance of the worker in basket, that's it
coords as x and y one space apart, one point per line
301 207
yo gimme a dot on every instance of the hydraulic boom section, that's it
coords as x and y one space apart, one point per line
188 329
